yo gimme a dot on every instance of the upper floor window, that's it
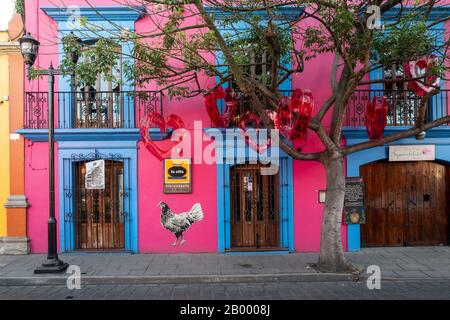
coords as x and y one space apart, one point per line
403 102
100 104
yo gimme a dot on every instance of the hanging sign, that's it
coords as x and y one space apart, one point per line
412 153
95 175
177 176
354 201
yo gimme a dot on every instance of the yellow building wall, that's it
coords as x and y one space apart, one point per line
4 136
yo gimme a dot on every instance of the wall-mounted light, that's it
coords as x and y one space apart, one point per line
322 194
421 135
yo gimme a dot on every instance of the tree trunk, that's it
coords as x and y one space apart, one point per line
332 257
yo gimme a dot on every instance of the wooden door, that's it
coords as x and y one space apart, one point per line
406 204
100 222
254 208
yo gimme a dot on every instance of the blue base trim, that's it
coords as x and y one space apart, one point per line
41 135
103 253
353 237
259 252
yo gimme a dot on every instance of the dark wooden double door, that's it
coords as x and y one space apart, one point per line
254 209
99 220
406 204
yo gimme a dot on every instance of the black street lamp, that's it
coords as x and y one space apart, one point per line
29 47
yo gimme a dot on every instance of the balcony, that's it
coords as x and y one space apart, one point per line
244 104
403 107
91 109
126 109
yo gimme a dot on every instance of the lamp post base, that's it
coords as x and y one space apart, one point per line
52 266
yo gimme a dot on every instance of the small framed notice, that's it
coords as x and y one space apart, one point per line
95 175
354 201
177 176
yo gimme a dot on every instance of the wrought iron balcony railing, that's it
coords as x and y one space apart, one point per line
244 104
91 109
403 106
126 109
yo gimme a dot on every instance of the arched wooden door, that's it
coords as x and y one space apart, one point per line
100 222
406 204
255 219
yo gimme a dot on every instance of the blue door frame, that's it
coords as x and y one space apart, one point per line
232 155
68 154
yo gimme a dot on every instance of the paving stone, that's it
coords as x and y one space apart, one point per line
411 274
393 261
414 267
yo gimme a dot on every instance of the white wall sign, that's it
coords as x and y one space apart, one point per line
95 175
412 153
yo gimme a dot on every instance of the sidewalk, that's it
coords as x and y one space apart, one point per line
395 263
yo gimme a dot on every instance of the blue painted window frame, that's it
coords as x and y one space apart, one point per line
440 35
287 12
101 17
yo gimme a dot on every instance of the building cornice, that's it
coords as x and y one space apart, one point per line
16 202
112 13
281 13
439 135
41 135
438 12
9 47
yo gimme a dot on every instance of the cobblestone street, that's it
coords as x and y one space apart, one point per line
391 290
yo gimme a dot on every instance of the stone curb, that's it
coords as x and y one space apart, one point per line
186 279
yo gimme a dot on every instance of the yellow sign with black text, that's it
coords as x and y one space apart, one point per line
177 176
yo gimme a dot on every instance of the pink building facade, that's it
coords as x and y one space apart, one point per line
126 215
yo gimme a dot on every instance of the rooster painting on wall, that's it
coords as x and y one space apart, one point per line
179 223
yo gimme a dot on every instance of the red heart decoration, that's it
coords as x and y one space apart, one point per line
416 69
251 117
376 117
294 114
302 106
155 119
283 120
221 120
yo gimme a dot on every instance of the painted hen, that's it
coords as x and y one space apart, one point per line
179 223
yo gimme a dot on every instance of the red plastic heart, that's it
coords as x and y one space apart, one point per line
417 69
246 119
166 147
218 119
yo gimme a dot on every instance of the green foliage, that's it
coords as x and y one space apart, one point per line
33 73
19 7
408 40
100 59
178 50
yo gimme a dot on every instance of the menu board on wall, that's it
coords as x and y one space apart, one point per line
177 176
354 201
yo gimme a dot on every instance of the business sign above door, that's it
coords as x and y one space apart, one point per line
177 176
412 153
